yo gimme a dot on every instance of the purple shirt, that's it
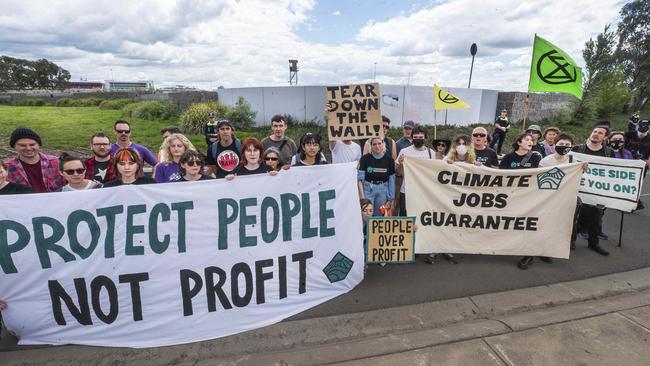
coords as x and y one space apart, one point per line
167 172
145 154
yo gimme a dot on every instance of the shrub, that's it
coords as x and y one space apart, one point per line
115 103
78 102
31 102
150 110
241 115
195 117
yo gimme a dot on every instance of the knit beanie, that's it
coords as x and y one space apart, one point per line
24 133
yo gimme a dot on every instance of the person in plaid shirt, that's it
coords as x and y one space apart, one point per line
30 167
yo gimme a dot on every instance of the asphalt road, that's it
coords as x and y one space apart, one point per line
396 285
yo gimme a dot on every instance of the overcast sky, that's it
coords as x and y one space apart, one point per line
248 42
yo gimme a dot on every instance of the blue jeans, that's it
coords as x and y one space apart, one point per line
377 194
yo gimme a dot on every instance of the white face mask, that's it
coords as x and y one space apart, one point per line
461 150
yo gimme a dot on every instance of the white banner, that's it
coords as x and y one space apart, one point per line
613 183
462 208
164 264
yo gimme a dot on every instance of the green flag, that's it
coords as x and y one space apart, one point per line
552 70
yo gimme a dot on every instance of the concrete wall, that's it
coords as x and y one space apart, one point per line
398 102
540 106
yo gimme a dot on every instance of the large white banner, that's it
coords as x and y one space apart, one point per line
462 208
156 265
613 183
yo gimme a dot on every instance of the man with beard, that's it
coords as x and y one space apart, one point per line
590 216
99 167
484 155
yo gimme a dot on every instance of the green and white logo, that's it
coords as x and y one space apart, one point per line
550 179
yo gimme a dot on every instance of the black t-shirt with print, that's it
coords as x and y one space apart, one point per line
203 177
14 188
487 157
226 159
513 161
377 170
242 170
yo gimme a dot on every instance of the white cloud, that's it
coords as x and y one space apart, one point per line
207 43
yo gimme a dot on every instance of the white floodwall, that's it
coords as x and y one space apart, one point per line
398 102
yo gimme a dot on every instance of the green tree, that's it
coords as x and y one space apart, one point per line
633 50
20 74
241 115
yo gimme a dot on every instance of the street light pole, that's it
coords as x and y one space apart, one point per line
472 51
375 74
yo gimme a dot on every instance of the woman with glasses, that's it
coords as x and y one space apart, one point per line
309 151
376 176
441 148
272 159
251 159
128 164
191 166
461 151
171 151
73 170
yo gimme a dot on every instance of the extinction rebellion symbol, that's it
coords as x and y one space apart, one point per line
559 75
449 99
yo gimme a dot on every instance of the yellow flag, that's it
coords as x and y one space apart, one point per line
445 100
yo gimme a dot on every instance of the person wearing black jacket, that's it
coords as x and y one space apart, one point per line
590 216
501 126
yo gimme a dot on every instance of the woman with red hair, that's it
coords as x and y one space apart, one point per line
128 164
251 159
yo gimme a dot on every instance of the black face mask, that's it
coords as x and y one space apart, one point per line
643 128
418 143
562 150
616 145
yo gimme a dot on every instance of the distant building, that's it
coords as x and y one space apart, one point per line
177 88
111 85
85 85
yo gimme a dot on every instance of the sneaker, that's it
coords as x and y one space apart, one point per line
525 262
383 264
430 259
603 236
584 235
450 258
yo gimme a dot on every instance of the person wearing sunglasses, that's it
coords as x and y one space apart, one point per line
191 167
128 168
272 159
484 155
73 170
123 135
441 148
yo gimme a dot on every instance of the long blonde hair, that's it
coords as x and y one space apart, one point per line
165 153
470 157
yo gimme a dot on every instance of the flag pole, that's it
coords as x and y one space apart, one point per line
435 124
529 77
525 112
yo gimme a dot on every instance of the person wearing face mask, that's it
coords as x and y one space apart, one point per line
638 142
634 121
563 145
616 142
418 150
461 151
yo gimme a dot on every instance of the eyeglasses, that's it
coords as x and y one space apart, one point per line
387 126
442 144
124 132
479 135
101 145
72 171
270 158
193 163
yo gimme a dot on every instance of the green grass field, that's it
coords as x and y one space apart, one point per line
69 128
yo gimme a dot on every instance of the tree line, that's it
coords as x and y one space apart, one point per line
19 74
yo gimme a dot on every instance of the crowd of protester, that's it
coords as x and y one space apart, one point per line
380 161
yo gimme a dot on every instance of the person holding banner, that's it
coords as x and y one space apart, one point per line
418 150
522 155
376 176
223 155
73 170
484 155
273 160
191 166
441 147
128 165
389 142
171 150
590 216
461 151
251 159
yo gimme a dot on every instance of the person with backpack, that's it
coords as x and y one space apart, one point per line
285 145
223 155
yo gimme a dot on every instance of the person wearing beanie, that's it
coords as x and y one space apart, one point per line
30 167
